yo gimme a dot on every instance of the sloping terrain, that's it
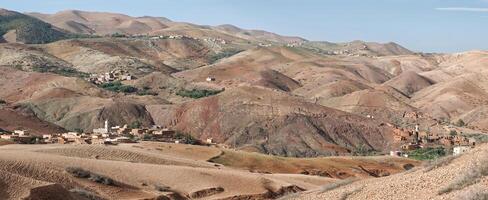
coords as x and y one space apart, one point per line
28 29
68 102
463 177
11 120
43 172
273 122
409 82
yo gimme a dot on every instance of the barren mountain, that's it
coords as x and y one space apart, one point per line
273 122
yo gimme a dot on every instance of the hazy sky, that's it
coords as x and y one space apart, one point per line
421 25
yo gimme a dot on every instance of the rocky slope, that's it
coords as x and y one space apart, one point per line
273 122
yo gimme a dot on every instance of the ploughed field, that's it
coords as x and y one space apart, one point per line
150 170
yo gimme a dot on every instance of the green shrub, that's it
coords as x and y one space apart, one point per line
363 150
196 94
452 132
2 101
460 123
186 138
64 71
427 153
117 86
135 124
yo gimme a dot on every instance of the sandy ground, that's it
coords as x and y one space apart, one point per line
138 169
419 183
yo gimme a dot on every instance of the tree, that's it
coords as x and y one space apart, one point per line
135 124
460 123
453 133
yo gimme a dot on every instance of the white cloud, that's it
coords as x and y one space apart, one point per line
463 9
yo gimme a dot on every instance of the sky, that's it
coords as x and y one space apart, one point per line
420 25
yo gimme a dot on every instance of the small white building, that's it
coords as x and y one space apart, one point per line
210 79
460 149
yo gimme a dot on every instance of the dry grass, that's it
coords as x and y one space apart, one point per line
471 176
85 194
430 165
336 185
347 194
473 193
81 173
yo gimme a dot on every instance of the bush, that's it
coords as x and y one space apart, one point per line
78 172
427 153
81 173
86 194
2 101
135 124
186 138
146 91
101 179
63 71
363 150
196 94
161 188
117 86
452 132
460 123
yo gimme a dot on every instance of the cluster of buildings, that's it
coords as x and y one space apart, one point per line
415 139
19 136
106 135
114 75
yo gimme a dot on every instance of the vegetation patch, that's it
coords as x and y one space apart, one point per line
363 150
146 91
224 54
196 94
85 194
81 173
2 102
427 153
64 71
117 86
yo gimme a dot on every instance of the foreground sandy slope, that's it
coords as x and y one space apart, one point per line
137 172
463 177
150 170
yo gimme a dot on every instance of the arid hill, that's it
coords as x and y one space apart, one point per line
268 121
462 177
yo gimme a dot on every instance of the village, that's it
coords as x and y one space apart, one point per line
114 75
108 135
414 138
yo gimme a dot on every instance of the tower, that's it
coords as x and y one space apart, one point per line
107 126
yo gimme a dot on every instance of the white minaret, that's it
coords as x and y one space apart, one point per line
107 128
